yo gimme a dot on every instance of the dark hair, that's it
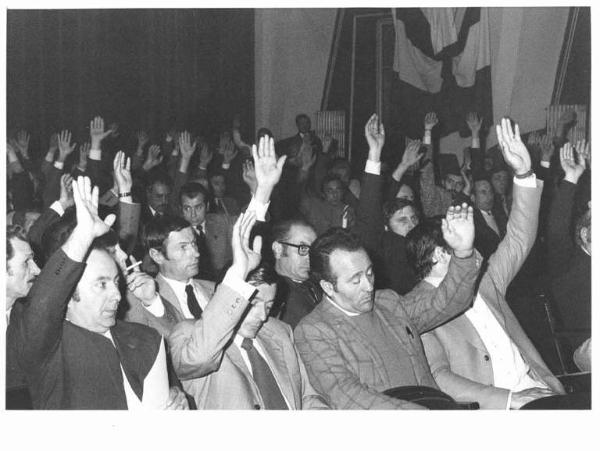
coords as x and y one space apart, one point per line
330 178
13 232
191 190
422 241
394 205
58 232
339 163
281 230
109 239
302 116
263 132
157 176
264 273
336 238
157 231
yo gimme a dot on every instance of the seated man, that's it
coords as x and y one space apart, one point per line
484 355
489 229
85 359
359 342
297 295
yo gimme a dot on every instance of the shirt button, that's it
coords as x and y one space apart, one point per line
486 357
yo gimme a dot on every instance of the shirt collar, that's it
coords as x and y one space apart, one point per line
340 308
178 286
433 280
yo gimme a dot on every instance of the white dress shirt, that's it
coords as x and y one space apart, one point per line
179 290
490 220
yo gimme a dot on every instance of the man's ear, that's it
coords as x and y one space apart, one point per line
156 256
438 255
277 249
472 197
584 234
327 287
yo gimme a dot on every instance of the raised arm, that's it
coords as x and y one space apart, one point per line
432 196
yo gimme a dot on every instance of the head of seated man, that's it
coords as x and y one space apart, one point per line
500 180
340 167
217 185
483 195
193 200
333 190
303 123
158 191
427 250
263 132
400 216
21 269
291 244
171 244
264 279
583 231
453 182
344 270
405 192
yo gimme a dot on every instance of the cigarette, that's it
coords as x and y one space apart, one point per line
135 265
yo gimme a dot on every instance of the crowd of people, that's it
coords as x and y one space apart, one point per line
191 274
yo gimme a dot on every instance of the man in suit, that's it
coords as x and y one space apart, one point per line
291 145
297 295
359 342
484 355
256 368
488 229
84 358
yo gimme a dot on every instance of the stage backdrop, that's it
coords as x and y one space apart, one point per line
143 68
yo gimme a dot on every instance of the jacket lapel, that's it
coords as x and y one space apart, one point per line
168 294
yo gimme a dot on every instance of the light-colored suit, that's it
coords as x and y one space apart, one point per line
350 371
211 367
206 287
458 358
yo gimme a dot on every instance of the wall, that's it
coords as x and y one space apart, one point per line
291 55
525 47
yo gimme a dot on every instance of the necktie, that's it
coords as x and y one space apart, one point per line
192 302
267 385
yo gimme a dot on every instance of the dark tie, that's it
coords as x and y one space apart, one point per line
192 302
267 385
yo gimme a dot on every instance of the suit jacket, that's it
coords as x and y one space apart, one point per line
349 371
230 385
297 300
219 229
486 238
206 287
458 358
137 313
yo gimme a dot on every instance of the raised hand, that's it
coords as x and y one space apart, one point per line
122 172
53 143
533 139
245 259
84 152
187 146
249 175
206 156
228 150
23 143
572 166
583 151
267 167
142 139
154 158
66 191
430 121
97 132
513 150
412 153
474 123
326 140
65 148
459 230
307 157
546 147
375 134
86 205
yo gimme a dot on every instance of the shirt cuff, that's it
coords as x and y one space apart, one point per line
59 165
49 157
156 308
509 400
427 137
373 167
95 154
239 286
12 157
545 164
226 165
259 208
58 208
528 182
475 143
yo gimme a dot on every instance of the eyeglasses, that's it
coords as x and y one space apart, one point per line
303 249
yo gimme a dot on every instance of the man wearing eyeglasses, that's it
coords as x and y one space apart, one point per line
291 245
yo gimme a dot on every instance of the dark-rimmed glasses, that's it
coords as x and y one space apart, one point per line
303 249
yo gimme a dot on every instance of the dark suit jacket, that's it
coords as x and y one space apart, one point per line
297 300
457 356
569 266
486 238
349 371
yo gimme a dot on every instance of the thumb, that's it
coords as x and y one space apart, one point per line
257 244
281 162
110 219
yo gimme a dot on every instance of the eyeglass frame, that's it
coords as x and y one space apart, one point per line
298 247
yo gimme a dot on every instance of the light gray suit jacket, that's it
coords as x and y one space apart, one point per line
459 361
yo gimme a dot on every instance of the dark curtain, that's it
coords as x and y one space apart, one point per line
142 68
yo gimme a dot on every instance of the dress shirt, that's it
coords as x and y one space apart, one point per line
237 340
179 290
156 384
346 312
